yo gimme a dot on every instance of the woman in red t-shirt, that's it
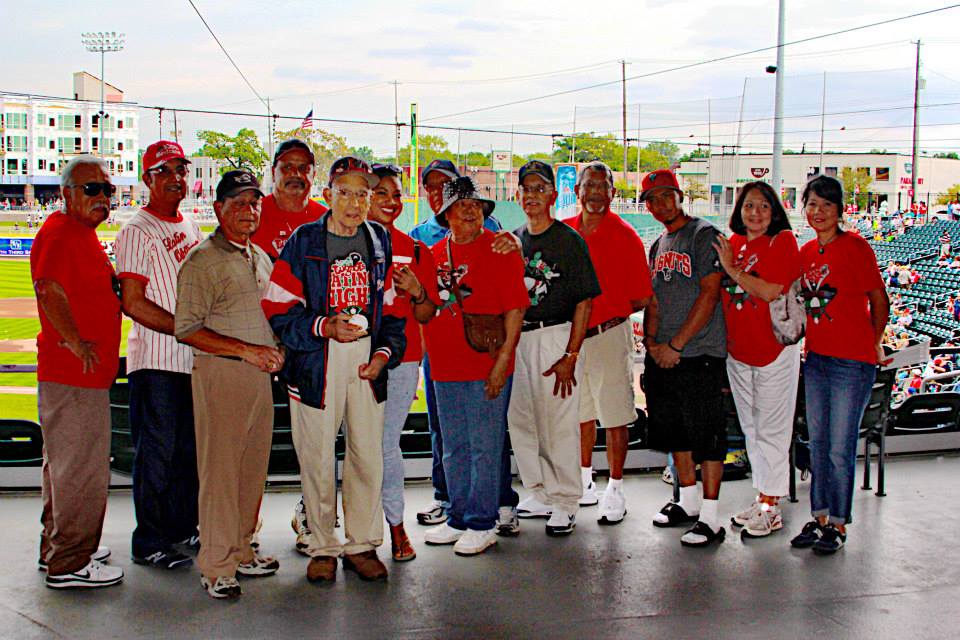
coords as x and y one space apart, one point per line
472 388
847 308
761 260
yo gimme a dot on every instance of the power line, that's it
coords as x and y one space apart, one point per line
695 64
222 48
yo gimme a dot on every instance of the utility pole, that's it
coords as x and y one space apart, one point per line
396 121
637 197
736 149
573 148
268 175
176 129
623 82
823 116
775 176
916 129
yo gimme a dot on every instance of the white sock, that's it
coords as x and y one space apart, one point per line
586 475
708 513
616 485
690 500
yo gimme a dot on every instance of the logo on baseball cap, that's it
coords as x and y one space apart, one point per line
160 152
236 182
443 166
536 168
350 164
661 178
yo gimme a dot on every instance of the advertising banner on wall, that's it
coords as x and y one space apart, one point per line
15 246
566 176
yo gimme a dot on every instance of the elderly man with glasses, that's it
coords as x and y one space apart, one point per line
77 360
150 249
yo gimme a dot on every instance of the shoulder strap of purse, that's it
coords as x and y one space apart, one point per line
453 275
416 251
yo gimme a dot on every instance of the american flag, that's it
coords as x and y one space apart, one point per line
307 121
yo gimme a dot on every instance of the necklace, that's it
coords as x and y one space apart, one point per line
823 245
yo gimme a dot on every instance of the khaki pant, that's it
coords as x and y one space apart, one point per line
76 473
544 428
233 413
348 400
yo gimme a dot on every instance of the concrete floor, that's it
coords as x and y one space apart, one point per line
898 577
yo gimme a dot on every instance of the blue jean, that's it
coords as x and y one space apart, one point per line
474 431
400 391
165 484
436 437
837 392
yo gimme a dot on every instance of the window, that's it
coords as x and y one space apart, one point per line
95 121
52 122
77 122
16 121
23 166
12 166
199 173
17 143
129 122
120 123
41 165
40 119
53 144
78 144
883 174
120 146
95 144
830 171
129 165
42 142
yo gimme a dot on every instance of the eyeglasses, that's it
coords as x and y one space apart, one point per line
92 189
181 170
386 169
353 195
539 190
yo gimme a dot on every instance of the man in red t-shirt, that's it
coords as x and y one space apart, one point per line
77 359
606 394
289 205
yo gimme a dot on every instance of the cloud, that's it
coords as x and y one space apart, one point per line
313 74
454 56
488 26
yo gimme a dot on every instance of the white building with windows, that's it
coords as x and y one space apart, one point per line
39 135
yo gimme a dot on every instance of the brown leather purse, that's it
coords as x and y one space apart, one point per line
485 332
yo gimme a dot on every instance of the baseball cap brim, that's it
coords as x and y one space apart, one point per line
159 163
645 194
240 189
441 217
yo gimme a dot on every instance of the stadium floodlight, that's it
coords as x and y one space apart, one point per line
102 42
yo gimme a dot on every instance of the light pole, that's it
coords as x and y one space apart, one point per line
102 41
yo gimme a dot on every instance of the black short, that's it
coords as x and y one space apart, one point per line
685 407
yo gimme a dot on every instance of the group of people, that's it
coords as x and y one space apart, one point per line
524 338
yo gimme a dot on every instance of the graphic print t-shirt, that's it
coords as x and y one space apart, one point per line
678 261
558 272
349 288
276 226
834 286
750 336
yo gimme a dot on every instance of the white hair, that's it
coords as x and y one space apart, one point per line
66 176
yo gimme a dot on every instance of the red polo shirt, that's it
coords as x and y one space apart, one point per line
397 302
620 260
69 253
277 226
750 336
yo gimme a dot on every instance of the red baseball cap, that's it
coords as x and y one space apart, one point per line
657 179
160 152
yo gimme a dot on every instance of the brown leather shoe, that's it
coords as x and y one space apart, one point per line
366 564
400 544
322 569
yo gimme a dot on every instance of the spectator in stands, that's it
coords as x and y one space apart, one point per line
472 388
847 311
945 243
77 348
956 308
761 260
890 273
235 355
903 341
943 260
903 276
914 382
151 246
414 280
915 277
955 263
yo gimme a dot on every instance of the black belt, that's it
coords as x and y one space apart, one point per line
533 326
225 357
604 326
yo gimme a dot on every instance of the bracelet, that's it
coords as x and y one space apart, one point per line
421 298
670 344
571 354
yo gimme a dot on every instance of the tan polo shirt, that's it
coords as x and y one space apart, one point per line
219 287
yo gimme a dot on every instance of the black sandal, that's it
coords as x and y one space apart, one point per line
703 529
676 515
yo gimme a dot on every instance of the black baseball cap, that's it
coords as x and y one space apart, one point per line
291 145
443 166
236 182
537 168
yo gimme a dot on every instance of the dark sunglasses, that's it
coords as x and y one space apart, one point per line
382 170
92 189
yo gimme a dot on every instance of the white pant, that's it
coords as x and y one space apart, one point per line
766 399
544 428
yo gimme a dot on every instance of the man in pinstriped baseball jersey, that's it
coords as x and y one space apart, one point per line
150 249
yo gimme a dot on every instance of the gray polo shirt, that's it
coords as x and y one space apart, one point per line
678 261
219 287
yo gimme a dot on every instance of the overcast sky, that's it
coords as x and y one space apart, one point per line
340 57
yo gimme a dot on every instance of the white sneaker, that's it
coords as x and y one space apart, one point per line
746 515
507 522
589 497
561 523
259 567
667 475
93 575
100 555
433 513
530 507
473 542
301 528
765 521
222 587
613 506
444 534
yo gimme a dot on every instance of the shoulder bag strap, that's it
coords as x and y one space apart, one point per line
453 276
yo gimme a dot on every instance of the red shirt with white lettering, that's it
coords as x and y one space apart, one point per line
277 226
397 302
776 260
620 261
835 285
489 283
69 253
